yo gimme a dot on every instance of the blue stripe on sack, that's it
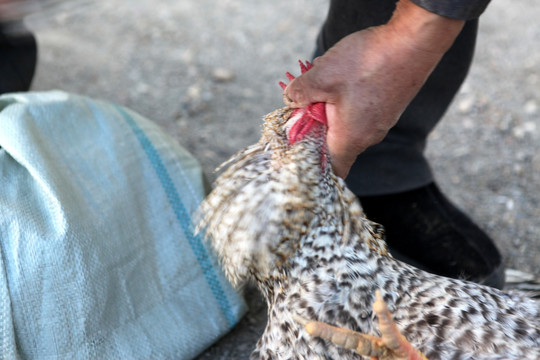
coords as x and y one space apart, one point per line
183 218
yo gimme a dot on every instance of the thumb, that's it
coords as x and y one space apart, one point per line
306 89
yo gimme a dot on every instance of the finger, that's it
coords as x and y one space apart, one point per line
342 154
342 166
306 89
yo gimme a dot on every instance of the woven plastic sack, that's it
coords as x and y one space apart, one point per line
98 258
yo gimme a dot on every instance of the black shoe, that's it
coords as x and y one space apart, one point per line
425 230
18 57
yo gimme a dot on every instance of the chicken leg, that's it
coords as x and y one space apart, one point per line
391 346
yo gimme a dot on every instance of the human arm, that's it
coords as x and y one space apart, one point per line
369 77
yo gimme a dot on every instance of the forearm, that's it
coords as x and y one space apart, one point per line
416 40
422 29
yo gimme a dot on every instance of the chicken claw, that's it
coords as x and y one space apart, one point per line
391 346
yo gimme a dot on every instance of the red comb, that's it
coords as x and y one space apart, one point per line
303 68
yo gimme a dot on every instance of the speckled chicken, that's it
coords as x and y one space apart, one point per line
280 217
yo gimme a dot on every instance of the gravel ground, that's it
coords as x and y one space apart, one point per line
207 72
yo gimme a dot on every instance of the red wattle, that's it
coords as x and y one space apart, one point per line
310 116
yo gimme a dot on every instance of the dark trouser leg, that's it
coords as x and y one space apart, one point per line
393 179
18 56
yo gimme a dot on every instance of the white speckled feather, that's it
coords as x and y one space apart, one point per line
281 218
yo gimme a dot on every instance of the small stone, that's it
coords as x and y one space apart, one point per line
529 127
187 57
531 107
222 75
142 88
466 104
520 131
194 92
510 204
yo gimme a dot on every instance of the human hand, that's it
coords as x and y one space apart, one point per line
369 77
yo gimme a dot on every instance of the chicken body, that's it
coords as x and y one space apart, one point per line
280 217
